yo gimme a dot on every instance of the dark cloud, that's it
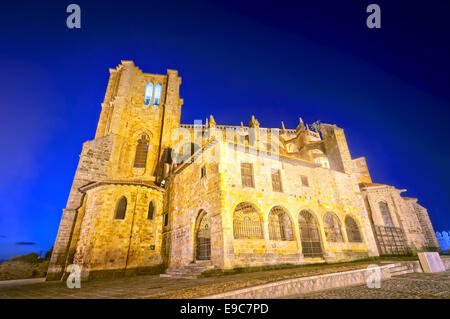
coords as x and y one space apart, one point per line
25 243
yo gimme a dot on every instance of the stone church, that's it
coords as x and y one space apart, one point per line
151 195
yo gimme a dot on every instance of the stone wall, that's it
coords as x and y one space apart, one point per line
124 119
405 213
94 165
90 237
187 196
117 246
328 190
302 285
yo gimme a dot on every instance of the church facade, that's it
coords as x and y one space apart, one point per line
152 194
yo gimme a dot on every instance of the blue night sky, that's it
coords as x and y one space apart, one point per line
388 88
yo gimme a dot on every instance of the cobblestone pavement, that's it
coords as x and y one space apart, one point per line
158 287
408 286
133 287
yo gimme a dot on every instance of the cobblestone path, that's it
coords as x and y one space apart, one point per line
408 286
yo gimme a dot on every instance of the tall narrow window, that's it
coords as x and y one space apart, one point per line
203 171
247 175
157 95
148 94
166 218
121 208
140 158
384 209
151 210
276 181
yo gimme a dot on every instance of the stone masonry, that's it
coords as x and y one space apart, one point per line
151 193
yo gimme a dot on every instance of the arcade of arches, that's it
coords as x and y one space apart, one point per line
248 224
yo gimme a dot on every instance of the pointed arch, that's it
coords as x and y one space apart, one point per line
157 99
280 225
121 208
148 94
140 158
353 233
203 236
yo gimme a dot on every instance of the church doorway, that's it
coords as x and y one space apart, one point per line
203 237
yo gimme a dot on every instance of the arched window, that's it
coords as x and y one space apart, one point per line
151 210
148 94
384 209
309 235
280 227
140 159
353 233
247 222
332 228
121 208
157 95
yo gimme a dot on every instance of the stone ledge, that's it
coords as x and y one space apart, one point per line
302 285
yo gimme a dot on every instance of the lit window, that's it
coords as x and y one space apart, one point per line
157 95
148 94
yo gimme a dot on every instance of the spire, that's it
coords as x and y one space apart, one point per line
253 122
283 128
300 126
212 122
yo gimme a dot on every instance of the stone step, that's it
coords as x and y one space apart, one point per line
398 273
189 272
398 268
177 276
